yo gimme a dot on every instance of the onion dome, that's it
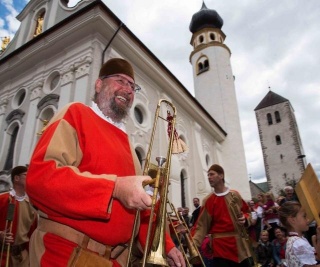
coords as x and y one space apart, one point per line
205 18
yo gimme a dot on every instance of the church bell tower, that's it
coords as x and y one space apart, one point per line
215 90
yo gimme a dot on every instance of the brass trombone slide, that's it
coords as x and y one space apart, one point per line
154 251
194 254
8 227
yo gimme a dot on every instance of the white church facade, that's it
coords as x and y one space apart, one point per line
55 57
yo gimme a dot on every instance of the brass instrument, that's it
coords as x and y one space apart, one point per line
241 229
194 254
154 252
8 227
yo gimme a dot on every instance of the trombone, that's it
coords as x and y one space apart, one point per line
8 227
154 251
194 254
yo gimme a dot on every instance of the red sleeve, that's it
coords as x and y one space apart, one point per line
75 163
144 223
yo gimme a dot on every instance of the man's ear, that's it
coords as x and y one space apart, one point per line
98 85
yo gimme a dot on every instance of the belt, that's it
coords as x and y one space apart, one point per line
225 234
17 249
75 236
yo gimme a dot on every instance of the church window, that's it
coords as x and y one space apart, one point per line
212 36
278 139
12 143
277 115
203 65
183 190
206 64
201 39
208 160
138 115
139 155
19 98
269 118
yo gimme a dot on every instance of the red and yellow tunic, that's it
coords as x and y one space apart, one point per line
216 219
23 224
71 180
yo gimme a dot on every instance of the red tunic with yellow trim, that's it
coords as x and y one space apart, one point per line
23 224
215 218
71 179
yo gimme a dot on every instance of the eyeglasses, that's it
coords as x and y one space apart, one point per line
123 82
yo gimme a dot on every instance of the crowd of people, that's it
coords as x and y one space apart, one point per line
267 226
84 204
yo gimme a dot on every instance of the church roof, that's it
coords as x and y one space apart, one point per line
205 18
270 99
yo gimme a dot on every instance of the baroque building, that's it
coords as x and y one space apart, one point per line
282 149
55 57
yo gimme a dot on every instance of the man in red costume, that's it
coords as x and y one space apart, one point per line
224 215
17 221
85 178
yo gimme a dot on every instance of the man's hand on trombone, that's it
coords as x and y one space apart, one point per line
6 237
130 193
175 258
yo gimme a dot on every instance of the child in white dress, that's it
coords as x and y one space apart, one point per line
299 253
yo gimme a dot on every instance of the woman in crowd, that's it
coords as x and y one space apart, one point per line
279 247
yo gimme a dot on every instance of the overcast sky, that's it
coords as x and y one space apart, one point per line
274 44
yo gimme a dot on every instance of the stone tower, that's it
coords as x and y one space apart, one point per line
215 90
282 150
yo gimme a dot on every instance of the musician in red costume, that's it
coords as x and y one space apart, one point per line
17 221
85 178
217 219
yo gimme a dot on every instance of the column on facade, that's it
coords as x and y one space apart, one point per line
82 86
3 107
199 161
30 123
66 86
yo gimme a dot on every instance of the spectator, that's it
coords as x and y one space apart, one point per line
298 252
264 250
289 195
196 212
279 247
270 219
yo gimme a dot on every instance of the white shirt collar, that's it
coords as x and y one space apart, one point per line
223 193
98 111
18 198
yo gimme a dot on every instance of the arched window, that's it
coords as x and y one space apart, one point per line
269 118
278 139
139 156
277 116
183 189
206 64
203 64
12 142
